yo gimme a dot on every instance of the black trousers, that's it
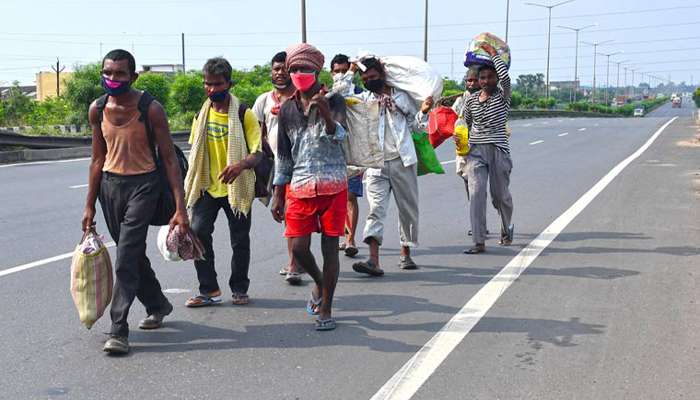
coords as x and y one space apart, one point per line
204 214
128 203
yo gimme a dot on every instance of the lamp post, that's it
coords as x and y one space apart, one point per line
577 30
607 74
595 53
507 17
617 87
549 32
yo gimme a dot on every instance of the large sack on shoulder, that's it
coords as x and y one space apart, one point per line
475 55
414 76
91 278
361 146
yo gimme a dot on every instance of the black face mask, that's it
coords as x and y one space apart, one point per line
375 85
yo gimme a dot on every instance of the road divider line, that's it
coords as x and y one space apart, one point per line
582 129
536 142
78 186
563 134
409 379
448 162
45 261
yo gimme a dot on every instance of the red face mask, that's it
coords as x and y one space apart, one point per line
303 80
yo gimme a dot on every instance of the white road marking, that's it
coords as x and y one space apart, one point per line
406 382
448 162
527 125
39 263
44 162
582 129
176 291
78 186
536 142
563 134
55 161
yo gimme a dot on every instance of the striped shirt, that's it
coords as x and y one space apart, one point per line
487 120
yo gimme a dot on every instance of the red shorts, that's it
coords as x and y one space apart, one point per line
324 214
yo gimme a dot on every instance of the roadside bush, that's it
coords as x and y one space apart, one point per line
158 85
696 97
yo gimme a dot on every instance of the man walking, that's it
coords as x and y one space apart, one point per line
266 109
488 161
226 146
312 162
471 82
340 65
125 177
398 117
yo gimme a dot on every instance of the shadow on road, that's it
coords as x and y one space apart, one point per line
558 333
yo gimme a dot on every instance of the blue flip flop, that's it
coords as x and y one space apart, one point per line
313 305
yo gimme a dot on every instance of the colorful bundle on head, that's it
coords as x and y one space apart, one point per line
475 55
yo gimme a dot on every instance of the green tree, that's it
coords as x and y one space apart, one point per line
530 84
186 93
82 89
17 106
158 85
52 111
696 97
516 99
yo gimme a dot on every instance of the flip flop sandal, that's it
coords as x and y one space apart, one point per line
313 305
507 237
367 267
475 250
284 271
351 251
202 301
325 324
293 278
240 299
342 247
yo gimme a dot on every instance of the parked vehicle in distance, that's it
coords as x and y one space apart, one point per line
638 112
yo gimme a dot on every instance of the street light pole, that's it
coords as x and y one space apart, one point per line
607 74
617 87
577 30
549 33
595 59
507 17
303 21
425 33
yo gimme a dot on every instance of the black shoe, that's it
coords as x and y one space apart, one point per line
116 345
155 320
405 262
367 267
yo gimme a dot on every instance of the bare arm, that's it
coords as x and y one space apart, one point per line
99 152
166 151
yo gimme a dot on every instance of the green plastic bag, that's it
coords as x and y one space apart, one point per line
427 159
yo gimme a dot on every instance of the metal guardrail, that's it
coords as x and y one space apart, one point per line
8 138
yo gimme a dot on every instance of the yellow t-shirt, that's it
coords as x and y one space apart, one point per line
217 146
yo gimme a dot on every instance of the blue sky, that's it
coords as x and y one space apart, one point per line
657 37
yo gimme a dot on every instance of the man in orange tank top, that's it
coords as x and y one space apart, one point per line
124 176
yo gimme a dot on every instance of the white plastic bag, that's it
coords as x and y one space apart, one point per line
414 76
163 245
361 146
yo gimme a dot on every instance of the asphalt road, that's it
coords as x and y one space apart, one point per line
608 310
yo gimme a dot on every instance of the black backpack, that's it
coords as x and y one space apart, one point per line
166 202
